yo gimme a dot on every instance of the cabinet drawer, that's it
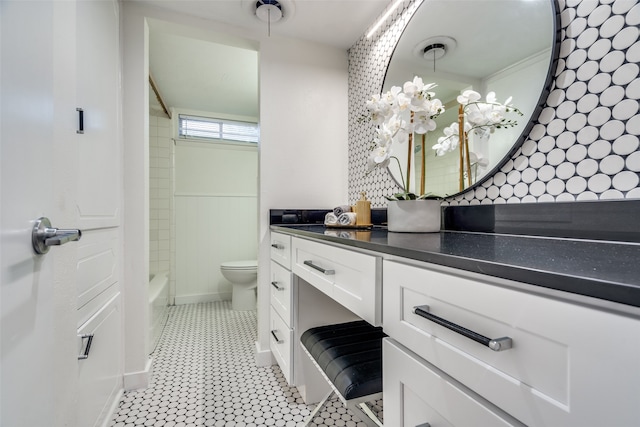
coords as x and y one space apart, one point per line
350 278
100 374
415 393
282 292
559 370
281 249
281 344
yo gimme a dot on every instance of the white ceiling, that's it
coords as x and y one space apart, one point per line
203 75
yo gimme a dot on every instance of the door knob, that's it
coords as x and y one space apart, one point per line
44 236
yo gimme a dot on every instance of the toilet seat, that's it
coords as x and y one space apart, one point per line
240 265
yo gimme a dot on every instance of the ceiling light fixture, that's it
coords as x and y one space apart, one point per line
434 51
269 11
383 18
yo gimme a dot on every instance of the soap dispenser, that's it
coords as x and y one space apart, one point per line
363 211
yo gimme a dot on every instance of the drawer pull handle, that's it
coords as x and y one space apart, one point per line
320 269
275 337
497 344
277 246
87 348
278 287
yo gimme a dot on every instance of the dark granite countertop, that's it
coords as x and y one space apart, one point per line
608 271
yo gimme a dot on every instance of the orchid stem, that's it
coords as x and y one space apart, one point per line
404 186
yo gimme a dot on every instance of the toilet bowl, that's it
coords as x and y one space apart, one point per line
243 276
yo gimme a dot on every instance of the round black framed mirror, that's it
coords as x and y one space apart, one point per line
508 47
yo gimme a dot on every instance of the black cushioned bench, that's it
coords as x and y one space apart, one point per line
349 355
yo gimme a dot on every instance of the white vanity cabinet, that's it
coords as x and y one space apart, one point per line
568 364
348 277
281 318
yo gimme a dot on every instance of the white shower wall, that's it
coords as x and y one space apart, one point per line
161 187
216 212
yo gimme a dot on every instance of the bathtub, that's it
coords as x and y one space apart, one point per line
158 306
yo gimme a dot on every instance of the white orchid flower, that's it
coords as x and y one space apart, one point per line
468 96
380 157
410 88
423 123
403 102
449 141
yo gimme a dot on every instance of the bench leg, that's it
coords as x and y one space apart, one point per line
317 408
364 413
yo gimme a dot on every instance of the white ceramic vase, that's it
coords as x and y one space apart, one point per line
414 216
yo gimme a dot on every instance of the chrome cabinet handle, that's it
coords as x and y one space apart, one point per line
497 344
275 337
277 246
87 348
44 236
320 269
278 287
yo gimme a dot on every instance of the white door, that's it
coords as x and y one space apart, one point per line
46 169
37 178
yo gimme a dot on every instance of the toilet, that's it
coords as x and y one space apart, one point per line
243 276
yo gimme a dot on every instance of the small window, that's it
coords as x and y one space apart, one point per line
220 129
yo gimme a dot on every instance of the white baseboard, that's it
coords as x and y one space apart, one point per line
264 357
111 410
139 380
198 298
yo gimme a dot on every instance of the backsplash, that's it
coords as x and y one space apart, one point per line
585 144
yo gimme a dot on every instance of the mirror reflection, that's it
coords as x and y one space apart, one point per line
501 46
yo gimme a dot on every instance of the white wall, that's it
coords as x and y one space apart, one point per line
303 148
216 202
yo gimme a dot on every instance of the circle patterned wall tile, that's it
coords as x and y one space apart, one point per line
577 58
585 8
625 181
599 183
599 149
625 74
513 177
633 125
546 173
633 89
612 165
576 91
612 130
611 195
599 83
587 196
555 187
587 135
626 144
587 168
599 15
612 61
555 98
598 117
633 14
625 109
586 38
612 26
565 170
633 53
576 185
611 96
